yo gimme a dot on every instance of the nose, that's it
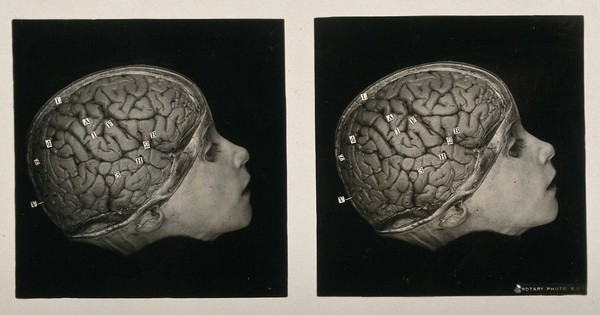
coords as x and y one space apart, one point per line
546 152
240 156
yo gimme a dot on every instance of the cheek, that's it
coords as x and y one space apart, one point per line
210 180
218 189
517 188
525 201
504 193
514 175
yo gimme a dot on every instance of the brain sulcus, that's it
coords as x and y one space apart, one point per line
108 144
411 140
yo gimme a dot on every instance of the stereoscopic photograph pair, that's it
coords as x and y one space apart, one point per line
151 157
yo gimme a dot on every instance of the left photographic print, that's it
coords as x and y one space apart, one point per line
150 158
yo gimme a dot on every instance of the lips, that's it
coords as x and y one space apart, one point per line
552 183
247 187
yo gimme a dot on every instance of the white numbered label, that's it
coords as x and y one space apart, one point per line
420 170
85 121
442 156
341 157
153 135
109 124
364 96
456 130
48 143
352 139
412 119
139 160
58 100
397 131
449 140
117 174
36 161
146 145
342 199
33 203
389 117
94 135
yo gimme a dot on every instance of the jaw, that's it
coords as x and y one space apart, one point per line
430 235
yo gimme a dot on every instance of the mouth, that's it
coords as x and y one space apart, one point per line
552 184
246 190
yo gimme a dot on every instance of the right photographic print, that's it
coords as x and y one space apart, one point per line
450 156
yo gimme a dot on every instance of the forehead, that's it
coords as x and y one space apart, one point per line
516 126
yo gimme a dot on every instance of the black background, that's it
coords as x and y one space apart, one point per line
239 66
541 61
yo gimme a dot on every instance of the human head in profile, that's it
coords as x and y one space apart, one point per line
437 151
128 156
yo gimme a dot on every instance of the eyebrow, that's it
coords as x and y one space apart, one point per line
511 135
206 138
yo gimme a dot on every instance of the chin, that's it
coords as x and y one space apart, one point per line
547 214
551 214
246 217
240 221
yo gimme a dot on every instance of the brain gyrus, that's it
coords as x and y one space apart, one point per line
105 150
413 142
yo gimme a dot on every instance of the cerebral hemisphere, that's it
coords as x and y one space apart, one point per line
408 143
99 153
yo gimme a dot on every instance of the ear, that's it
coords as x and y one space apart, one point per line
454 216
150 220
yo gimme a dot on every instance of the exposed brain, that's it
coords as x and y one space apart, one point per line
114 143
419 139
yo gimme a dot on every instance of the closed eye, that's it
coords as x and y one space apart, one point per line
212 152
516 148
